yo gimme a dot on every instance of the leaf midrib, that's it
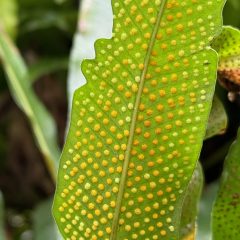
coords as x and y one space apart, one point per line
133 123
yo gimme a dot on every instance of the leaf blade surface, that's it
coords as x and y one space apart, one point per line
138 124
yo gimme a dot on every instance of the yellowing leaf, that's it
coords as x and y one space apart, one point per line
138 124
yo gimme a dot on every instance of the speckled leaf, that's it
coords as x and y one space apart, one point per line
226 210
228 47
190 205
138 124
218 120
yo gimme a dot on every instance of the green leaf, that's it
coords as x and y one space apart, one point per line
42 123
226 210
138 124
217 122
228 47
227 44
2 229
95 21
44 226
190 205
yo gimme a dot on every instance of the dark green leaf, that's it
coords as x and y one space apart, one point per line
231 13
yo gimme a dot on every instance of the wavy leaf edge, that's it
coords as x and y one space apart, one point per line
72 125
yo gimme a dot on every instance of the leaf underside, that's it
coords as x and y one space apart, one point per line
226 210
137 125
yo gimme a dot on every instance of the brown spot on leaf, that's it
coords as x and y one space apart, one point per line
230 79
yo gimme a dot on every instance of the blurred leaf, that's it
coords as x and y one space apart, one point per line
20 86
95 22
46 27
231 13
205 209
235 3
226 210
8 16
45 14
65 20
45 4
2 230
190 205
217 122
46 66
44 226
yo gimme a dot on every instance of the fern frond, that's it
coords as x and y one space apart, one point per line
138 124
